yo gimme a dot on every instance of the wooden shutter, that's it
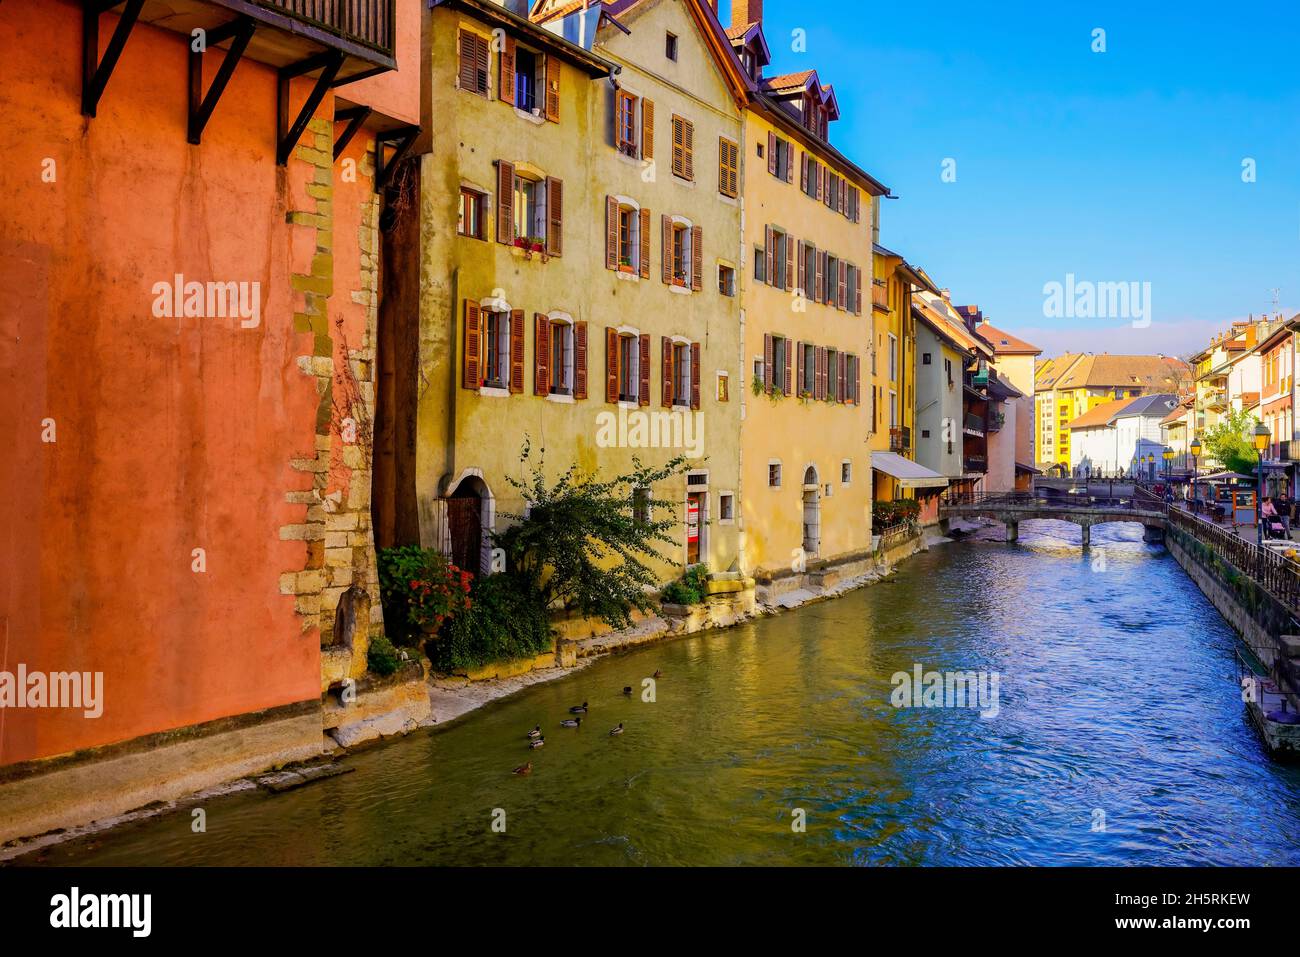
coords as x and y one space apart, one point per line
788 384
624 104
857 381
467 78
726 167
666 371
803 269
789 262
771 153
679 146
541 354
472 361
579 360
697 258
769 256
555 216
844 197
611 364
800 386
789 163
688 144
695 375
643 390
803 172
767 362
505 202
552 89
819 283
611 233
666 234
857 295
843 301
516 351
645 243
821 182
506 70
647 129
819 361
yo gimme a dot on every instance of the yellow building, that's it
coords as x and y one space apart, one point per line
809 214
581 218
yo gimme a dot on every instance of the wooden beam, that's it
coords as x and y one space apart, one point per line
94 71
403 138
329 63
201 106
355 117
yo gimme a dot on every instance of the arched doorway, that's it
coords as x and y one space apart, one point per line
812 512
469 519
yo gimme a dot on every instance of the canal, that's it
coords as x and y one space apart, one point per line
1119 738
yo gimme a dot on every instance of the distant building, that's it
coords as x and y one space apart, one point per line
1116 436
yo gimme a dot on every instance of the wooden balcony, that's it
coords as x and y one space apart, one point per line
879 295
900 439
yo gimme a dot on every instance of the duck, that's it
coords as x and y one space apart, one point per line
628 690
525 768
536 743
579 708
571 722
618 730
658 673
536 732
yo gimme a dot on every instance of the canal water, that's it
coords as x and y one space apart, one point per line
1119 738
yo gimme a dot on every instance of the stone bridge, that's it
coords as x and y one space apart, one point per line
1086 512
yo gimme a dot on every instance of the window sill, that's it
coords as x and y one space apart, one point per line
492 392
680 408
630 160
627 276
559 397
688 183
536 120
520 253
626 404
680 290
729 200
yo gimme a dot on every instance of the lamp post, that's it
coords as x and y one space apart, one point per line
1195 449
1262 437
1169 463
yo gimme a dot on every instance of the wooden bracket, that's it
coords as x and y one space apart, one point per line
287 134
201 106
94 71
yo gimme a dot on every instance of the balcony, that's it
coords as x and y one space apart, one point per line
996 421
975 463
974 425
879 295
900 439
1215 399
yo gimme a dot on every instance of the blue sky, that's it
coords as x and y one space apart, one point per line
1122 166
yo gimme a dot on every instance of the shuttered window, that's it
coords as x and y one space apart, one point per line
728 167
683 148
473 73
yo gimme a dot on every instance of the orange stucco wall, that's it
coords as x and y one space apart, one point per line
171 434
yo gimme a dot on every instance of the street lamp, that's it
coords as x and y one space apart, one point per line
1195 449
1169 462
1262 437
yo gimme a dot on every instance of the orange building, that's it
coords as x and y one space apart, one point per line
190 256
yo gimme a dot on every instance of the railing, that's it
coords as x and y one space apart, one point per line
900 439
369 22
1141 500
879 295
1275 573
896 534
975 463
975 423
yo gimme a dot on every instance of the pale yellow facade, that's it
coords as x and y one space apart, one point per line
893 368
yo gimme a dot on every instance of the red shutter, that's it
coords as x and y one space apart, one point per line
505 202
800 387
771 153
788 385
667 236
844 285
472 367
579 360
695 375
819 285
767 362
803 172
821 182
645 243
541 354
666 370
857 381
506 78
789 263
643 393
789 163
697 258
857 304
555 213
516 351
611 233
820 362
803 271
647 129
611 364
552 89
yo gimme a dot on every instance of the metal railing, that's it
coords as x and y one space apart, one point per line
1274 572
897 534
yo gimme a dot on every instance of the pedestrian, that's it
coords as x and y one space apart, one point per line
1284 506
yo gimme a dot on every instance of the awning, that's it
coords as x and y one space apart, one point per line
906 472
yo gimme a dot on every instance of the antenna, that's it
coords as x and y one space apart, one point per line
1276 300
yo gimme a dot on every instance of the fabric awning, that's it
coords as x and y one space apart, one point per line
906 472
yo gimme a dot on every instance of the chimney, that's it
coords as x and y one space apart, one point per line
745 12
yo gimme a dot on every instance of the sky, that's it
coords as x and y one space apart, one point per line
1122 166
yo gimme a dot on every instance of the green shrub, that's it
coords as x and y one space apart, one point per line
690 589
383 658
885 514
504 621
420 590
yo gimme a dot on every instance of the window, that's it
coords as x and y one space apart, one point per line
681 372
726 280
530 209
807 368
846 472
778 271
947 370
726 507
641 506
760 264
670 46
629 237
496 336
724 387
809 265
530 79
831 280
683 148
562 354
893 358
811 175
728 168
774 475
893 409
634 124
629 360
781 359
925 433
779 156
472 221
925 358
681 254
473 73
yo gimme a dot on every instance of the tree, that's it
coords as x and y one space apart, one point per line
1230 442
583 543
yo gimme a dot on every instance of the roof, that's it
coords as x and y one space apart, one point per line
908 473
1150 405
938 313
1106 370
1004 343
1049 371
1101 415
788 81
1022 467
1176 416
594 64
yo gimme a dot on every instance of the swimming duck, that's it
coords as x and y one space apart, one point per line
525 768
658 673
536 732
579 708
536 743
628 690
570 722
618 730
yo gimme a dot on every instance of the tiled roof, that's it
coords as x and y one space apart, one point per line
1101 415
1151 405
1004 343
738 33
788 81
1106 370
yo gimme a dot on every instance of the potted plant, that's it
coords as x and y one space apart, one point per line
422 586
537 244
625 265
